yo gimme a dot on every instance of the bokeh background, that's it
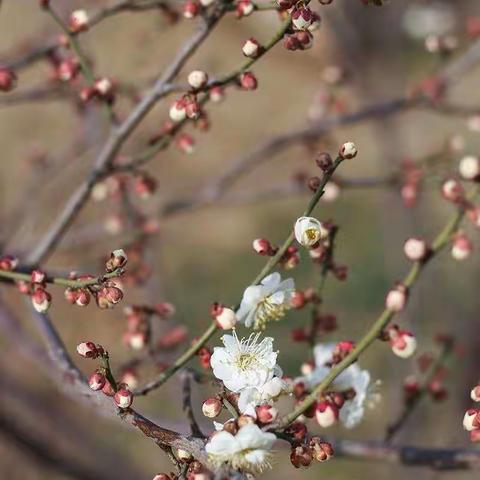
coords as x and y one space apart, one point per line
205 255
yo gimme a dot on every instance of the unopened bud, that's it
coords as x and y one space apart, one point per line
212 407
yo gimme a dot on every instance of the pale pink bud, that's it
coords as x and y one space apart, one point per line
193 110
216 94
130 378
177 111
37 276
415 249
78 21
8 263
475 394
396 299
8 79
161 476
251 48
136 340
244 8
348 150
471 420
331 192
70 295
226 318
248 81
326 413
68 69
185 143
41 300
96 381
403 344
452 190
123 397
87 350
191 9
212 407
462 247
262 246
469 167
197 79
302 18
266 413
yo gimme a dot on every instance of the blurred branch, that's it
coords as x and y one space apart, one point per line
187 379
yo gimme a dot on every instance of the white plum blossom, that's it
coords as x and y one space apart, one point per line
352 377
251 397
309 231
266 302
249 450
245 363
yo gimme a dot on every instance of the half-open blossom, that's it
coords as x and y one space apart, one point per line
244 363
252 397
248 450
266 302
352 378
309 231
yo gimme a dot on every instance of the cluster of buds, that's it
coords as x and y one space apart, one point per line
304 22
193 8
41 299
302 454
8 79
471 419
224 317
139 317
186 107
402 342
412 177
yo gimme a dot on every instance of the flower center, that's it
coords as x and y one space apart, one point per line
311 234
267 311
245 361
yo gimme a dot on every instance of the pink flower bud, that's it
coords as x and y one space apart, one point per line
462 247
290 42
226 318
123 397
96 381
87 350
108 389
136 340
348 150
297 430
244 8
263 247
298 300
266 413
177 111
396 299
475 394
78 21
212 407
68 69
191 9
83 297
193 110
185 143
197 79
326 413
248 81
105 89
216 94
118 259
403 343
452 191
161 476
37 276
474 216
8 263
8 79
469 167
251 48
415 249
471 419
302 18
41 300
475 435
144 186
305 39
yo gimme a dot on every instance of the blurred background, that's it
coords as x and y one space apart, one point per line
205 255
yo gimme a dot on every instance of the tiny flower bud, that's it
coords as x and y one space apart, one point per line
41 300
331 192
197 79
326 413
263 247
300 456
108 389
403 344
309 231
212 407
191 9
130 378
226 318
161 476
298 300
469 167
266 413
87 350
96 381
8 79
348 150
324 161
193 110
471 420
216 94
248 81
8 263
302 18
396 299
321 451
415 249
118 259
123 397
452 191
475 394
243 420
177 111
475 435
78 21
82 298
462 247
297 430
68 69
251 48
185 143
244 8
37 276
